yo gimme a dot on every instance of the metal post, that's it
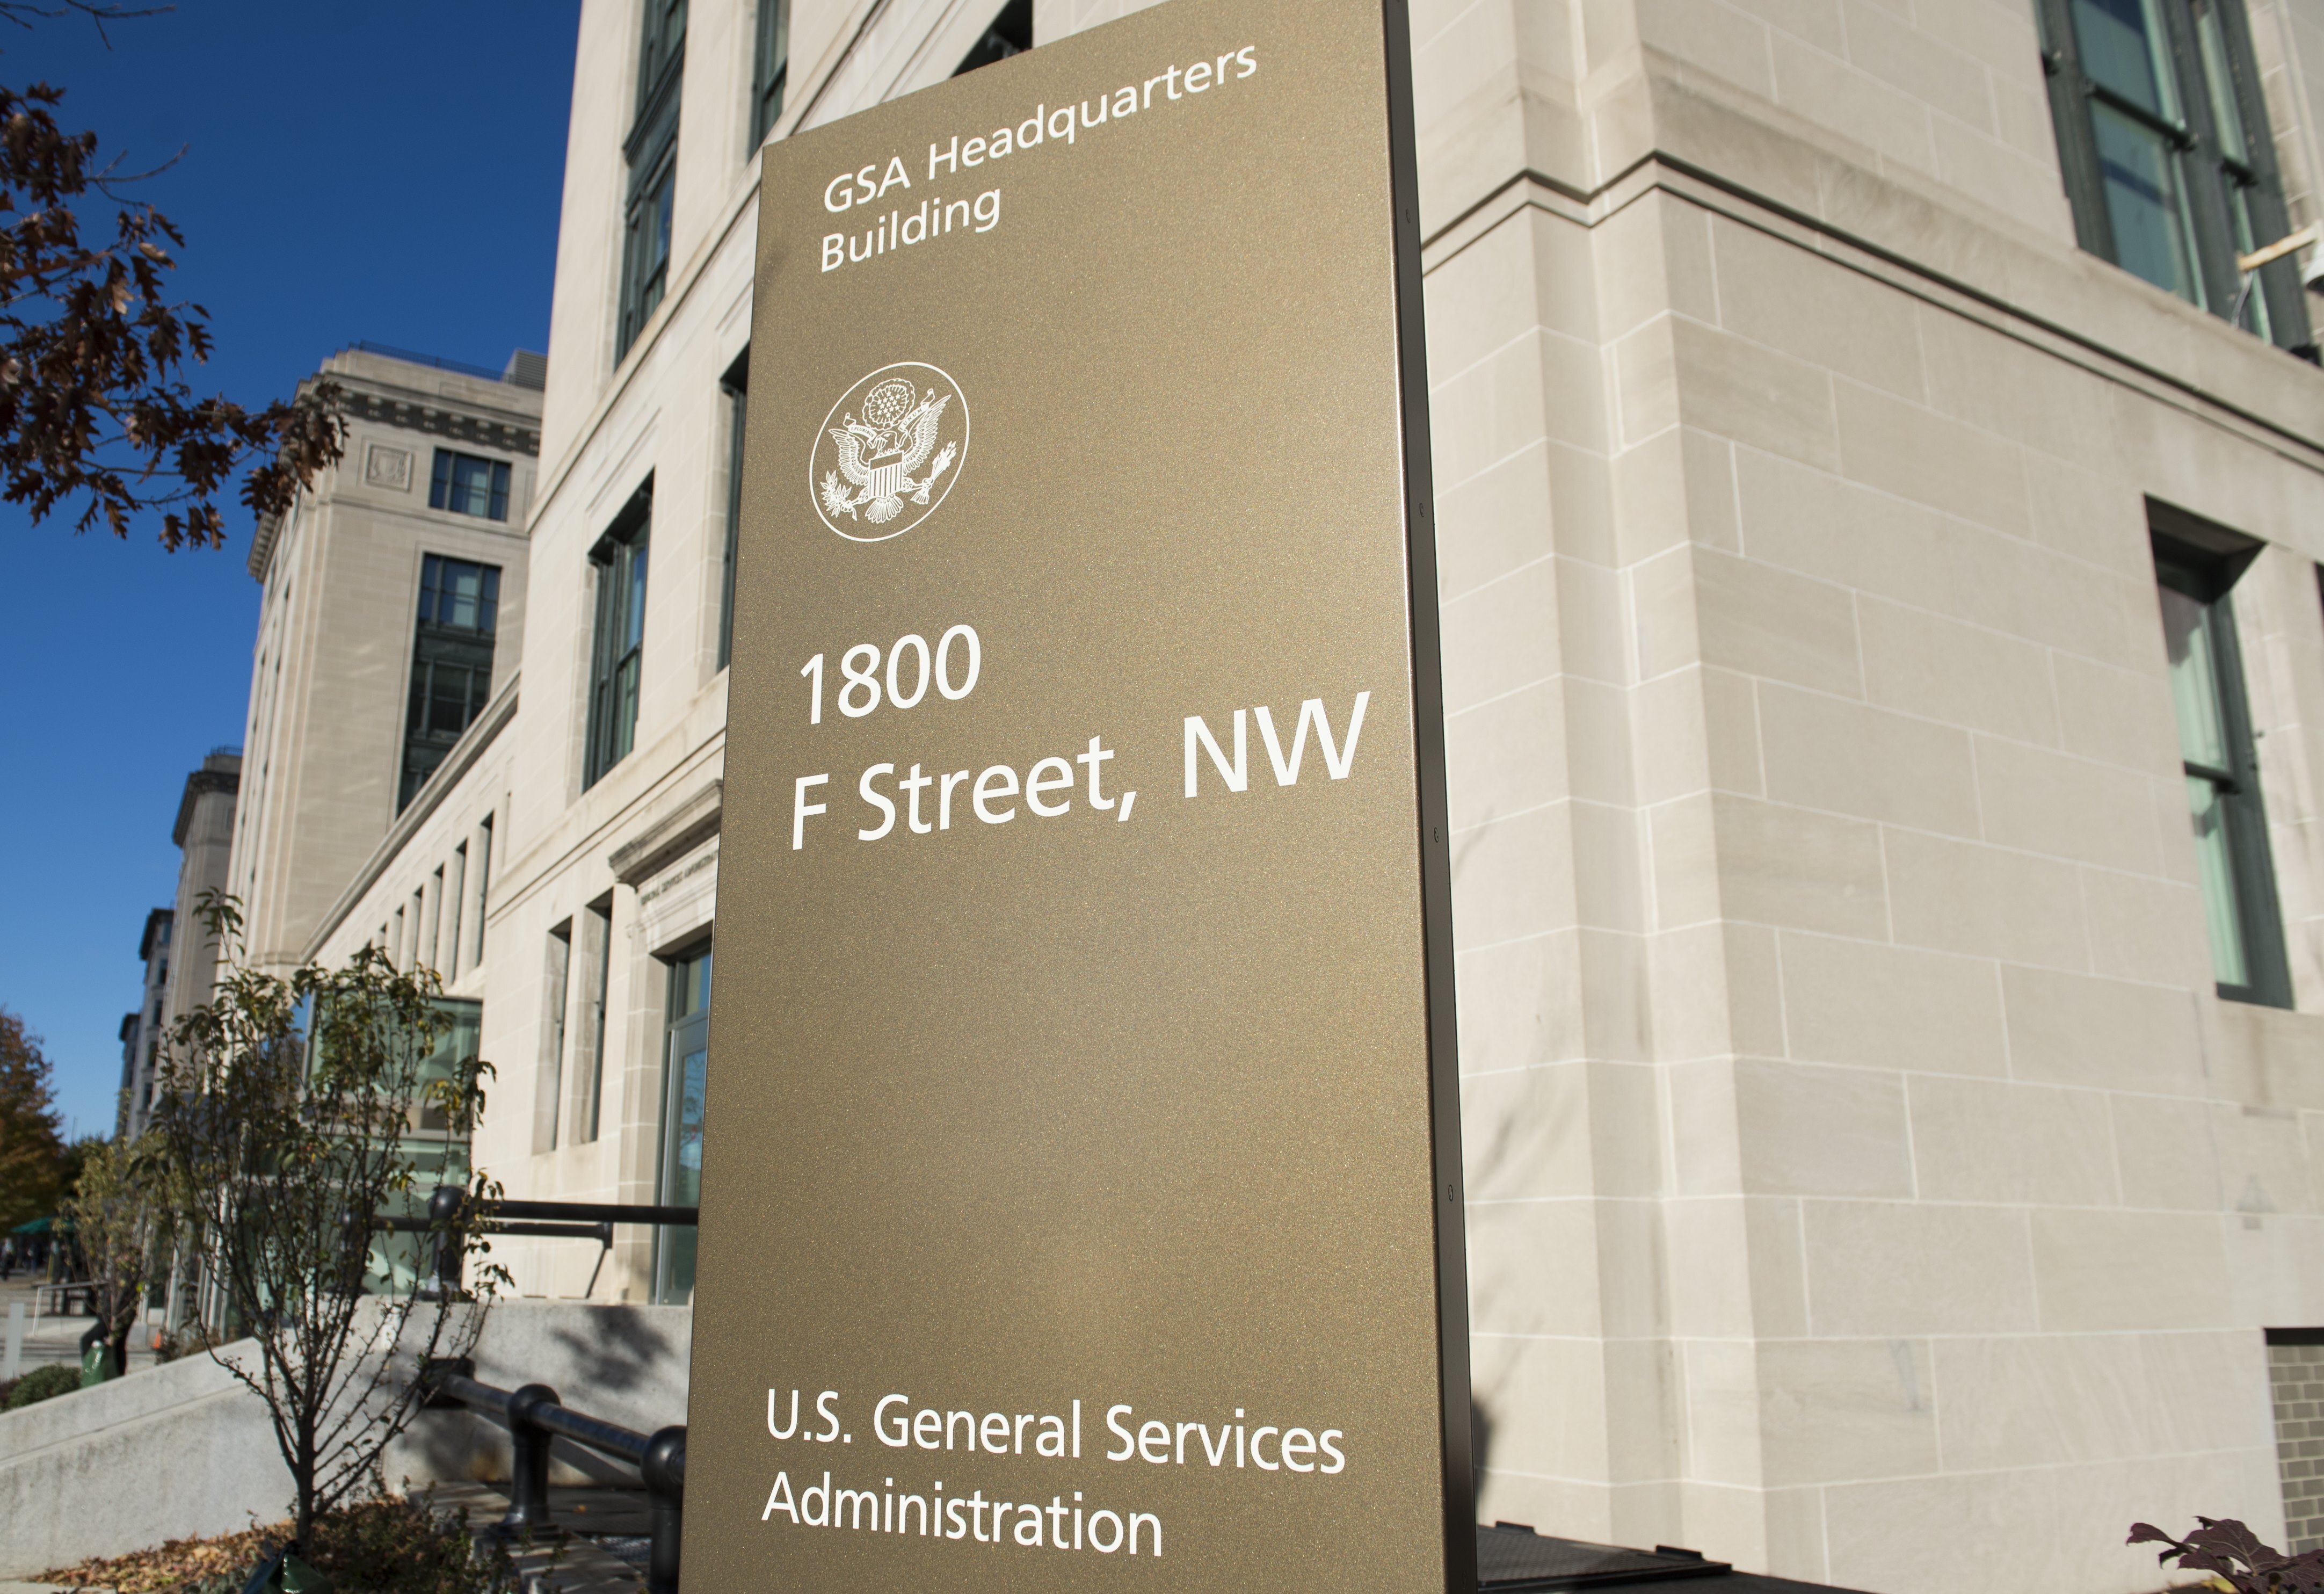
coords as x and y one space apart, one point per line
14 1362
451 1244
664 1467
528 1513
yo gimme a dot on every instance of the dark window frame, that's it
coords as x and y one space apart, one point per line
2209 172
598 942
736 385
2202 562
440 648
617 641
770 67
482 864
549 1106
661 48
441 485
1011 33
651 151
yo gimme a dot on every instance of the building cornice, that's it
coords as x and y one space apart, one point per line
670 838
262 545
199 784
438 420
424 803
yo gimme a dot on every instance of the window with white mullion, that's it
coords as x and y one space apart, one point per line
2163 144
2196 567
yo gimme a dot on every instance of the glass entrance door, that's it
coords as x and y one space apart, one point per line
686 1059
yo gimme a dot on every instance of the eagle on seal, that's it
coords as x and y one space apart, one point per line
878 453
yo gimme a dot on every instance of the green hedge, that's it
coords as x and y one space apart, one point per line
39 1384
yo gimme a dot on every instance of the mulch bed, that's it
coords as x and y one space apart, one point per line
181 1564
390 1545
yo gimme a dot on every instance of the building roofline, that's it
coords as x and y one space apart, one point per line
198 784
499 412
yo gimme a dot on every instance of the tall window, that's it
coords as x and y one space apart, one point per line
686 1068
651 150
620 557
2197 565
467 486
483 856
455 888
1012 33
771 67
2163 139
451 664
548 1098
597 947
736 384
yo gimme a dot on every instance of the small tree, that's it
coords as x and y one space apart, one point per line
291 1110
122 1220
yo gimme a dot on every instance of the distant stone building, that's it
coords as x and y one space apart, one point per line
180 956
391 627
141 1029
1879 529
204 835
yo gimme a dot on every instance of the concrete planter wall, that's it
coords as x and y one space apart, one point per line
184 1450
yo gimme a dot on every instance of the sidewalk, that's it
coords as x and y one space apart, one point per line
56 1339
606 1555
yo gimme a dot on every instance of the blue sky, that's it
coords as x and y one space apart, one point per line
389 173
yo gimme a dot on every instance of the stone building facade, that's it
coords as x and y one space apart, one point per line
179 955
140 1027
390 631
204 837
1885 666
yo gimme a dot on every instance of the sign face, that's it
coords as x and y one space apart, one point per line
1082 1197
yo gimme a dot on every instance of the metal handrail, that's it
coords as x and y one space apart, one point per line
450 1213
593 1211
535 1416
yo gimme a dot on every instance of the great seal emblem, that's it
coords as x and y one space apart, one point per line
889 452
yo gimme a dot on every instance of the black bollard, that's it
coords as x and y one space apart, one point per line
451 1244
528 1513
664 1467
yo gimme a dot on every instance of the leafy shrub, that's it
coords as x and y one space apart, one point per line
41 1384
2233 1554
403 1546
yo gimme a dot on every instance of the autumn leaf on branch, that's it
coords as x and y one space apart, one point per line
96 410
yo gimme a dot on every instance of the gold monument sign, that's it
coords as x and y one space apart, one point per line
1081 1203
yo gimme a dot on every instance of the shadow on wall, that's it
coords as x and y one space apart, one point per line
614 1349
620 1364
